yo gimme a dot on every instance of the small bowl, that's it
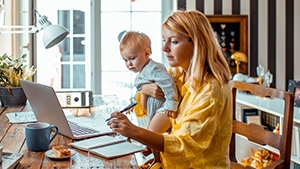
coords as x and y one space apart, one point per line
240 77
252 80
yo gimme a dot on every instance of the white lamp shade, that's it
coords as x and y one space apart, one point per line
53 34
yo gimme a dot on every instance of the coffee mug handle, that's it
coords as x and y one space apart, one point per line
55 132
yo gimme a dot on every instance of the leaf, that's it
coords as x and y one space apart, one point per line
12 70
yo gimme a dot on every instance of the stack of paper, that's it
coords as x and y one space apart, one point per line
21 117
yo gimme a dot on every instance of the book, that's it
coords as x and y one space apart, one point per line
253 119
246 112
297 146
295 141
269 120
296 166
107 146
10 160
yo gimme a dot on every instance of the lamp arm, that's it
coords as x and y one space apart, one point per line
33 29
53 34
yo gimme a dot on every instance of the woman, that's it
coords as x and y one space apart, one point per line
201 132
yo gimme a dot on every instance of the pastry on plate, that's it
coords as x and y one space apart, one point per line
61 151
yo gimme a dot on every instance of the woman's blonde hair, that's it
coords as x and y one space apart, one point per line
135 38
208 58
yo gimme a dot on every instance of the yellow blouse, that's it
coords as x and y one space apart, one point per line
201 133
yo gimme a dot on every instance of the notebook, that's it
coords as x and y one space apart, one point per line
46 107
107 146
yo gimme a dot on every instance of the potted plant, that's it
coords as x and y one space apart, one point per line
11 71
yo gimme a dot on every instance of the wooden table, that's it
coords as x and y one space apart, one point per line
12 138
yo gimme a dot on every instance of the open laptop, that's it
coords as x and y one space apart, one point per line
47 108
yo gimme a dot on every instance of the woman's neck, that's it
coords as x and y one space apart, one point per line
186 76
186 70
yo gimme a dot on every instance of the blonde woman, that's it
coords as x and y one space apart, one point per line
201 132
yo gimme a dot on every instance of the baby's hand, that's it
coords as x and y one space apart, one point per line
171 114
129 111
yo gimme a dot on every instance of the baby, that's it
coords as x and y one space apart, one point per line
135 49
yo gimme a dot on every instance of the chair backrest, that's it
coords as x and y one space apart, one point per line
259 134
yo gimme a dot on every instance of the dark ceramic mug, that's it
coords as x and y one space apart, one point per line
38 135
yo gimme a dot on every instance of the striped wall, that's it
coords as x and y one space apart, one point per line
273 33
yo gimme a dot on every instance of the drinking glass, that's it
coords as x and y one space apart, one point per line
260 70
268 78
104 105
113 106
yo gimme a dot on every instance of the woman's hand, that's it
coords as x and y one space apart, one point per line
121 124
153 90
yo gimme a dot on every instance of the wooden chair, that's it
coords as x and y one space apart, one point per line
259 134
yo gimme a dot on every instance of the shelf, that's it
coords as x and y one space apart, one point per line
272 149
295 159
273 105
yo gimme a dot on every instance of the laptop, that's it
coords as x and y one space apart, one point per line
47 108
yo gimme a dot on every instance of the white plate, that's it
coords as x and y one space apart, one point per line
51 155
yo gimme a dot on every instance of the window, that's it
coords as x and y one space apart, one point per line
66 66
73 53
140 15
75 62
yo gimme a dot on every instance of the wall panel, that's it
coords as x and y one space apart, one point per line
297 40
265 33
280 44
227 7
262 33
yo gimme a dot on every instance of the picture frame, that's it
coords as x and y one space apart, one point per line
294 87
235 29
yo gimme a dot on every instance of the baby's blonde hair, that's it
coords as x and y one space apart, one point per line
134 38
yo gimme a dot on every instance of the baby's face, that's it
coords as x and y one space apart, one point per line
135 58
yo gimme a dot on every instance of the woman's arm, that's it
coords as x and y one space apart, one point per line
122 125
153 90
149 89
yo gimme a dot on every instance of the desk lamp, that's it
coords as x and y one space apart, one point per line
53 34
239 57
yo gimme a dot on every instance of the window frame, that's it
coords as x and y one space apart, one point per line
95 41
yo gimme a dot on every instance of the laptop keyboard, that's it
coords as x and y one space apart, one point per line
80 130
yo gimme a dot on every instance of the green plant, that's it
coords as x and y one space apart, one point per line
12 70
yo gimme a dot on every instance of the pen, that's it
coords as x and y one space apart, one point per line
124 110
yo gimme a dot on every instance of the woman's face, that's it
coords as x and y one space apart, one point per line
178 49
